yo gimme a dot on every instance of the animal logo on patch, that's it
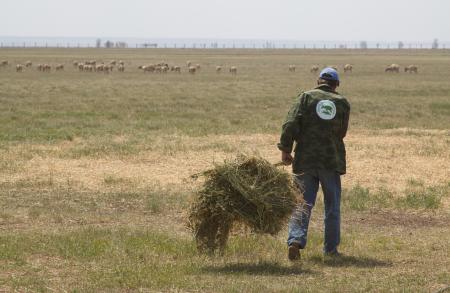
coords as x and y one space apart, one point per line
326 109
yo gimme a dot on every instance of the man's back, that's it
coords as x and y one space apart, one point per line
318 125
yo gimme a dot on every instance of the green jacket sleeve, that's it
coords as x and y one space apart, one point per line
291 126
345 120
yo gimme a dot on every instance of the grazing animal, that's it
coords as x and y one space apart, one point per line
19 68
411 69
87 68
40 67
164 68
291 68
75 64
348 68
177 69
121 63
161 68
80 67
233 70
314 69
188 64
121 68
396 67
192 69
4 63
28 64
99 68
218 69
198 67
59 67
149 68
392 68
46 68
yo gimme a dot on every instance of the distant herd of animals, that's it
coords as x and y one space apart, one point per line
163 67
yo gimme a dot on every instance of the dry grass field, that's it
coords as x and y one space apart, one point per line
95 171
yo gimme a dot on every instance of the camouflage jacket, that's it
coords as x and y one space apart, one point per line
317 123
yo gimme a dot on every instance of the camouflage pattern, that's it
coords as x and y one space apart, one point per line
319 142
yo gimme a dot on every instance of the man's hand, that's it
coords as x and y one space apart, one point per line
286 158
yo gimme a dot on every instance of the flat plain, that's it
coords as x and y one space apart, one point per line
95 171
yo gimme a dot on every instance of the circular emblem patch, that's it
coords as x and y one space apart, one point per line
326 109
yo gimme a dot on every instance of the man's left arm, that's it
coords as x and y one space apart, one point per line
345 121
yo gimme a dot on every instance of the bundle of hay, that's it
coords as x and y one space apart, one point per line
247 190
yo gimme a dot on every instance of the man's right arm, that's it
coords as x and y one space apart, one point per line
291 127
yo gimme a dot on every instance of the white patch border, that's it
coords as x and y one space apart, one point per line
322 115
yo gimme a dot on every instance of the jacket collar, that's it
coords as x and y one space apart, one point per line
326 88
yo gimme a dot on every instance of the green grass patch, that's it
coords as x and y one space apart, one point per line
132 259
440 108
359 198
416 196
70 105
159 198
424 197
115 180
103 148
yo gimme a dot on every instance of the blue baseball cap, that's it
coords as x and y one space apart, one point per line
329 73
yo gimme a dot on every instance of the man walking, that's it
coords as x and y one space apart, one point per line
317 123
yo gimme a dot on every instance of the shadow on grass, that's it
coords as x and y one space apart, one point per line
264 268
350 261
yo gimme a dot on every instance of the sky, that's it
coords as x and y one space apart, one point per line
347 20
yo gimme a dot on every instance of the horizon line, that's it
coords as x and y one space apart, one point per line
223 38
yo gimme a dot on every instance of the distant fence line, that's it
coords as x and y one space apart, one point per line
225 46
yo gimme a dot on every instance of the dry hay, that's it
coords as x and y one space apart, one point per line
247 190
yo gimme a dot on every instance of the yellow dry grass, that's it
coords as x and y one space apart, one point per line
382 158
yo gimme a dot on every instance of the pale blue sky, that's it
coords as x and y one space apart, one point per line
351 20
